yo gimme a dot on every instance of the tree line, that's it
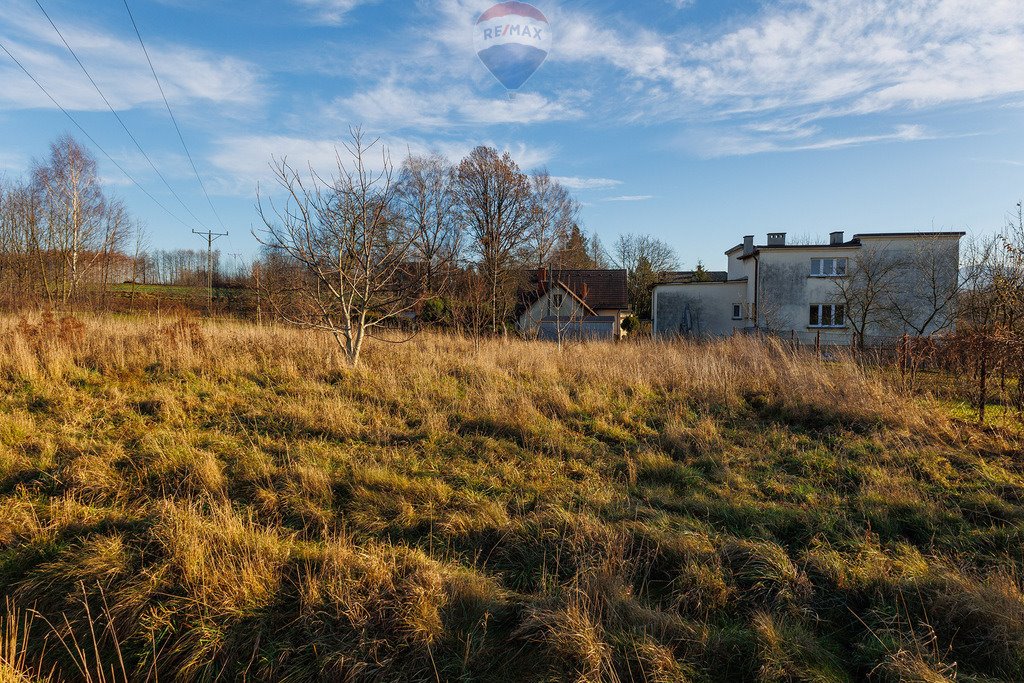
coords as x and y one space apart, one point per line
376 245
63 238
988 343
373 243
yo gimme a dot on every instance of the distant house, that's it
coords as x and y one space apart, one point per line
573 304
808 291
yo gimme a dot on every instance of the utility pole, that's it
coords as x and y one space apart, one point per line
211 237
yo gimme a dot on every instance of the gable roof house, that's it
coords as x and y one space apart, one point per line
808 292
573 304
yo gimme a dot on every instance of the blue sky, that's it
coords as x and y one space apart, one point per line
697 121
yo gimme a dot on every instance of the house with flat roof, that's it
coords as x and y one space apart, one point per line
870 287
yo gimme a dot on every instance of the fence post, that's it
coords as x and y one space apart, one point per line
901 356
983 380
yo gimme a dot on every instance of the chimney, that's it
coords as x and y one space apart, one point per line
748 245
542 279
835 238
776 239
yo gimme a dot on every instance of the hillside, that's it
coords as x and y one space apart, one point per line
200 500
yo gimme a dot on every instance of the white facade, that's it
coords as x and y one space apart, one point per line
814 293
559 312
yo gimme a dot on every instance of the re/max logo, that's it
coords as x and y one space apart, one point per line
512 30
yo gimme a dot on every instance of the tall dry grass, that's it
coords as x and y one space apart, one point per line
513 378
217 500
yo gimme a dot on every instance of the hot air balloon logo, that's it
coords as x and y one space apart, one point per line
512 39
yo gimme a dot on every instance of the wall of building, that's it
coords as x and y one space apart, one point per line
922 268
699 309
788 290
593 328
617 317
544 306
569 310
737 266
929 267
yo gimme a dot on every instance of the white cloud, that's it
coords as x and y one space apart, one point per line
642 53
245 160
12 163
400 106
115 180
1001 162
575 183
118 66
629 198
332 11
775 72
738 145
862 57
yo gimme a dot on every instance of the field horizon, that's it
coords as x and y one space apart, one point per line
184 499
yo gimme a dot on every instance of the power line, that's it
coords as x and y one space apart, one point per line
118 116
92 139
173 120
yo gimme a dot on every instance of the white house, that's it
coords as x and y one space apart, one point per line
877 285
573 304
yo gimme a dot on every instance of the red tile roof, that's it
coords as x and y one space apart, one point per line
600 289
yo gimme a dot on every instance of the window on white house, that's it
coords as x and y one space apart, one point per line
828 267
737 312
556 299
827 315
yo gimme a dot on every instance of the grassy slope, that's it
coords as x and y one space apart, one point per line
233 500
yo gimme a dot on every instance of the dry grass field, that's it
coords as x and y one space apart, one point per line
198 501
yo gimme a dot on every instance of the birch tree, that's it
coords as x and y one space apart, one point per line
74 205
555 214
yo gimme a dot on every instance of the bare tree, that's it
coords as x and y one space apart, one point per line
117 227
140 261
20 268
347 236
1011 266
645 258
494 196
864 293
74 208
982 330
555 214
473 306
929 285
426 191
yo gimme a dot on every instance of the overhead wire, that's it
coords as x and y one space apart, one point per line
167 104
91 138
138 145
